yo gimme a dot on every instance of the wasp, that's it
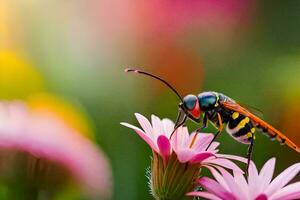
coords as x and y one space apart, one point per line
221 110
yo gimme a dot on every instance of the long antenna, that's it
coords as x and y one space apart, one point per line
156 77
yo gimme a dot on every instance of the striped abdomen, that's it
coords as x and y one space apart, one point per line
240 128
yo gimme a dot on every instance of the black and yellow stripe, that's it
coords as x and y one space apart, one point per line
241 128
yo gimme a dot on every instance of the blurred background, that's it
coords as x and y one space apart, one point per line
76 51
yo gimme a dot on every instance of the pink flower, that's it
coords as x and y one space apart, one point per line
259 186
47 139
188 147
177 160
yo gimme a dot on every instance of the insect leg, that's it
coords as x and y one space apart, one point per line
218 132
181 119
178 117
198 130
204 124
249 155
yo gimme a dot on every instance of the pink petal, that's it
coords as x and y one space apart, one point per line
185 155
218 177
182 137
185 139
214 187
291 191
201 142
168 126
266 174
180 140
145 124
174 141
192 137
283 178
241 181
145 137
223 163
253 173
157 126
205 195
232 184
261 197
198 158
213 147
253 180
232 157
293 196
164 146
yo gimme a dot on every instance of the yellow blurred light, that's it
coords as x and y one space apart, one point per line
62 110
18 79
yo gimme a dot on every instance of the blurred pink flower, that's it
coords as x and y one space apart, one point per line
258 187
148 28
177 161
48 138
175 16
168 18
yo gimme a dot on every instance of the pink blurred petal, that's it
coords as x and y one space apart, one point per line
266 174
261 197
204 195
145 137
291 191
198 158
145 124
164 146
169 19
214 187
283 178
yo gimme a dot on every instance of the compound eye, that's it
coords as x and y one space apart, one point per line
190 101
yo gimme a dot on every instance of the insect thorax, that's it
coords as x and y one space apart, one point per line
208 101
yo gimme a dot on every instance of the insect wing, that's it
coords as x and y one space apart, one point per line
274 133
252 109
